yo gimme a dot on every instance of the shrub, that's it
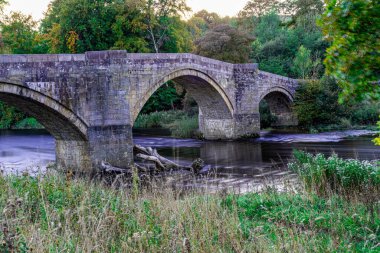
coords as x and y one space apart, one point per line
325 175
158 119
185 127
316 105
179 123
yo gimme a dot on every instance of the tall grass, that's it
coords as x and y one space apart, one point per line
158 119
333 174
186 127
178 122
61 214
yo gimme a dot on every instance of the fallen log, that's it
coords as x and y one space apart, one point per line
109 168
151 155
153 159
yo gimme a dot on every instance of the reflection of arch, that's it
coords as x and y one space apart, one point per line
59 121
211 98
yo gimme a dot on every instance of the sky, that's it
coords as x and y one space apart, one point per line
36 8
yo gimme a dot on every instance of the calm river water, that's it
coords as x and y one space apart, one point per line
236 162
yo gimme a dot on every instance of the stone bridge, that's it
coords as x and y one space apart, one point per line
89 102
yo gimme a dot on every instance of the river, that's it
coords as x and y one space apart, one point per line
237 162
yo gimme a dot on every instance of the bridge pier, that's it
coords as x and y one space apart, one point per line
229 129
216 129
247 125
73 155
112 144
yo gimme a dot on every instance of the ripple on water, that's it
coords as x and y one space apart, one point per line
336 136
248 162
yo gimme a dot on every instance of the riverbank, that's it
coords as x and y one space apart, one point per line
179 123
334 208
58 213
183 125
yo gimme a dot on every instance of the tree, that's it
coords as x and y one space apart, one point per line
258 8
129 29
353 28
210 18
225 43
20 36
302 8
160 16
201 22
275 45
80 25
302 63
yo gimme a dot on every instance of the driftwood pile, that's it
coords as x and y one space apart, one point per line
161 164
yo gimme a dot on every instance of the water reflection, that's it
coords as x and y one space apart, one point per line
236 162
29 150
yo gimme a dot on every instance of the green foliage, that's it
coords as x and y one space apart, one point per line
277 45
259 8
377 140
19 35
201 22
184 127
353 28
28 123
225 43
91 21
302 62
164 99
9 116
180 124
158 119
318 224
316 104
266 117
162 20
322 175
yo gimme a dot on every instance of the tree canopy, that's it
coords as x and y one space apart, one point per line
225 43
353 28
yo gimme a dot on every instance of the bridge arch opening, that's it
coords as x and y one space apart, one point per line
215 108
69 131
276 109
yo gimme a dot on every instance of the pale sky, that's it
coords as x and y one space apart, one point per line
36 8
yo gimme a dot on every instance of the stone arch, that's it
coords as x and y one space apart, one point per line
58 120
279 89
70 132
216 112
213 102
280 104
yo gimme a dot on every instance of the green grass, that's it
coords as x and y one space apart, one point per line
300 223
158 119
60 214
178 122
185 127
